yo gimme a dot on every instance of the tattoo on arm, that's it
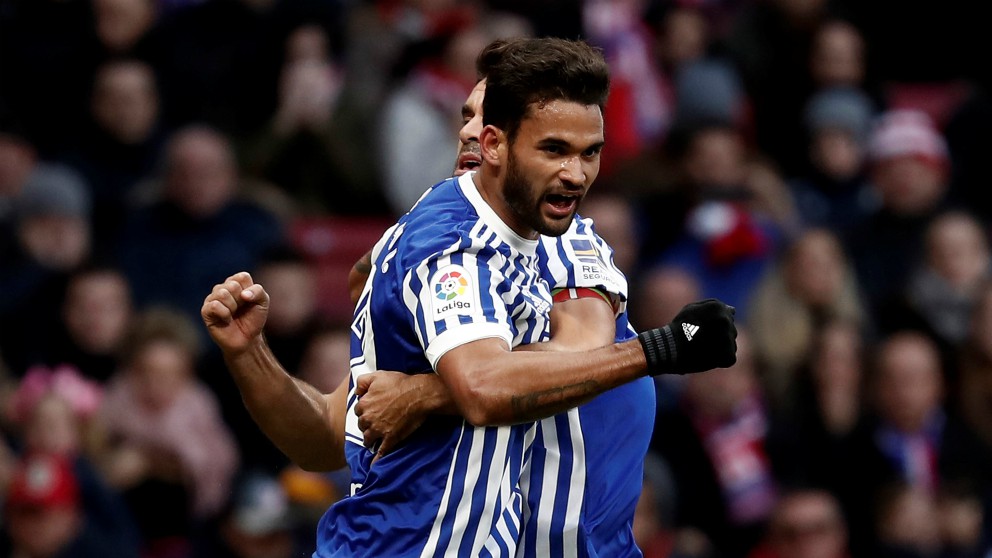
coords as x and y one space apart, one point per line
560 399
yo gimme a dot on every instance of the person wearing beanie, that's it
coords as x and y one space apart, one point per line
909 170
834 191
52 233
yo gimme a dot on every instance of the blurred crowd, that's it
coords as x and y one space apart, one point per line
818 164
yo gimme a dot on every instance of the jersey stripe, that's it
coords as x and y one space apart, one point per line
431 548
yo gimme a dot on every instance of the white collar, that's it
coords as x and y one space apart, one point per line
490 218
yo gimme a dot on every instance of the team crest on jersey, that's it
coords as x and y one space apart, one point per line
590 267
585 251
453 293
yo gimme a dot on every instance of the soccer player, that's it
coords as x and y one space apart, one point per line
454 287
589 311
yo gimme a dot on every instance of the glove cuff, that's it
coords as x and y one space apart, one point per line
659 349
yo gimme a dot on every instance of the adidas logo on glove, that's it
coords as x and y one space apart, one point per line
689 330
668 352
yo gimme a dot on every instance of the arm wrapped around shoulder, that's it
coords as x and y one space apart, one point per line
701 337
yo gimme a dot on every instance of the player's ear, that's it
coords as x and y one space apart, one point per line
493 144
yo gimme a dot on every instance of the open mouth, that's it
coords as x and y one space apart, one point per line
562 205
468 162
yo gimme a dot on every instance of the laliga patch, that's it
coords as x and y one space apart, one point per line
453 292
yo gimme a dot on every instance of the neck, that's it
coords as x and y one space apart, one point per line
487 182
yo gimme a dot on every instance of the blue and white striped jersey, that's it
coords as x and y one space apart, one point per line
616 426
448 273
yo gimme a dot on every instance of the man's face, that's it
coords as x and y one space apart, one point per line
550 165
468 137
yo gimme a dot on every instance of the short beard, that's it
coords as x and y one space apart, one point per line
519 196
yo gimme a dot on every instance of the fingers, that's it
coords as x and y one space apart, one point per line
386 445
371 437
216 312
234 292
227 293
243 279
255 294
362 384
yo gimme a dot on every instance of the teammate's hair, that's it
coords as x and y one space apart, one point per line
521 72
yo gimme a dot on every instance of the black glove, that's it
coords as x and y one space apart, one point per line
701 337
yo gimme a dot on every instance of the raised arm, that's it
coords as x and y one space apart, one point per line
303 423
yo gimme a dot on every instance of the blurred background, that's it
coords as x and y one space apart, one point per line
818 164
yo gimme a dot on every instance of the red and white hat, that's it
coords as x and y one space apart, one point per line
907 133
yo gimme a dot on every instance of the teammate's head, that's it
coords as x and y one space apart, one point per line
543 128
469 157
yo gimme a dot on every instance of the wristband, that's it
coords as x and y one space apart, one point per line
659 349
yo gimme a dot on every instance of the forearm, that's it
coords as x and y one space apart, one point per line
506 387
434 397
294 415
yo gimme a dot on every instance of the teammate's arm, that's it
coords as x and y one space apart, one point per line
303 423
357 276
578 324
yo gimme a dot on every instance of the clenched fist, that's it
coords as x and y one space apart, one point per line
701 337
235 312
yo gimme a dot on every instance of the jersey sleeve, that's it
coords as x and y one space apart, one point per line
455 298
581 259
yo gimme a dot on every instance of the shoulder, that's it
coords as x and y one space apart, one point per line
581 258
442 222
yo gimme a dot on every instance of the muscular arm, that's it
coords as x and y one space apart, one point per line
492 385
305 424
578 325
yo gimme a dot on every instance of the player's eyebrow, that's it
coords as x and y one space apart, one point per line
567 145
554 142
